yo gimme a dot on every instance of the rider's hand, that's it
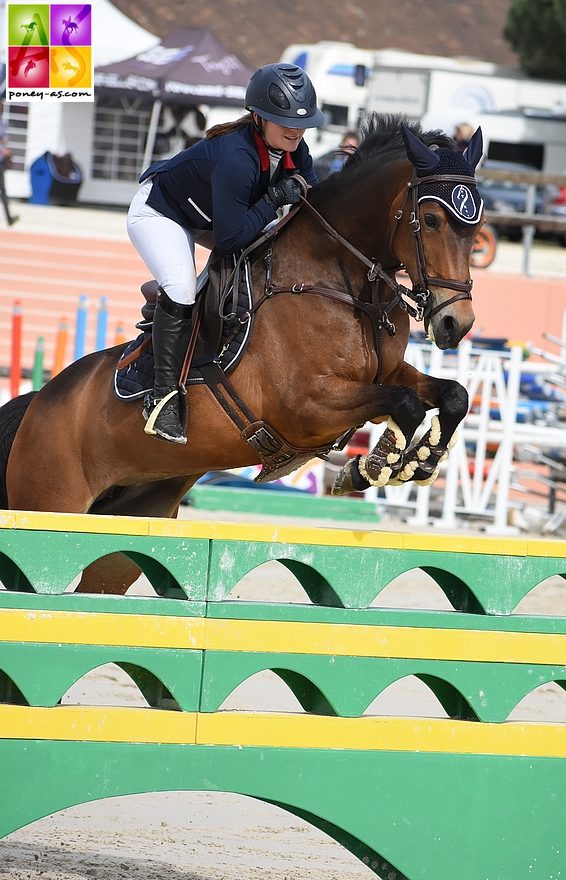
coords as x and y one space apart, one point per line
286 192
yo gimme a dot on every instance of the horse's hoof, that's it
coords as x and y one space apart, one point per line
349 479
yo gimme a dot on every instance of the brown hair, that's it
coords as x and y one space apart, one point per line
229 127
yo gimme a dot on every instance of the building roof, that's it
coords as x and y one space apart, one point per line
259 30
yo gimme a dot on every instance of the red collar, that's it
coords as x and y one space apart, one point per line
264 153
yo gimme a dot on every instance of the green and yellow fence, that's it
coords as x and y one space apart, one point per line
472 796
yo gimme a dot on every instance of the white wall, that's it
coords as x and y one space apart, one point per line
67 128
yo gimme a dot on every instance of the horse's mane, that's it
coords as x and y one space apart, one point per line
382 140
381 134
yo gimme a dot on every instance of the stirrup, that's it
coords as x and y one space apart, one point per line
165 407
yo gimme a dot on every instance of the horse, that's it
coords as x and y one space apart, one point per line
326 354
69 26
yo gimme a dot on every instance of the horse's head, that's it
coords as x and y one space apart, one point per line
435 245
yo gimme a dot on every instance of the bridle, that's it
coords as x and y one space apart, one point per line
420 292
378 311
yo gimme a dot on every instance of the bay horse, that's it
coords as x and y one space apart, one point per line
326 353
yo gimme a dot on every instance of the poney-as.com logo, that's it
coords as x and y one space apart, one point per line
49 52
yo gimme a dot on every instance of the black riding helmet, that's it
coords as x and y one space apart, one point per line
284 94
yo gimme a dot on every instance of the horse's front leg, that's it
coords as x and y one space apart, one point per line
421 462
406 412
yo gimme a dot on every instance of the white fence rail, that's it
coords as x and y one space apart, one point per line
476 480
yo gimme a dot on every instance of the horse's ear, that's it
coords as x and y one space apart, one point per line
474 150
423 158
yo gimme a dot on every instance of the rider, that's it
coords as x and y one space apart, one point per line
232 182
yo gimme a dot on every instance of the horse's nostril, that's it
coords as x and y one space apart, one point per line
449 326
453 331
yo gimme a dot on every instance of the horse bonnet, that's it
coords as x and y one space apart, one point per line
461 199
447 176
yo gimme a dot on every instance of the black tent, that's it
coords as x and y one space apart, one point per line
190 67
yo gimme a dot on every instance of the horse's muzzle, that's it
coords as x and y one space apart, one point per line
446 331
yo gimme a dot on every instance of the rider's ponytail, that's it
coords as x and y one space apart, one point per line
229 127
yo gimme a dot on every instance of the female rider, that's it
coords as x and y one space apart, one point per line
232 183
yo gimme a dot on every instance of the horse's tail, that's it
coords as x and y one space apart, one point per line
11 415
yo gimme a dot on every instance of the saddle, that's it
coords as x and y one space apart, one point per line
222 337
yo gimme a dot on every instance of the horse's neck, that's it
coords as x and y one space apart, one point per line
361 214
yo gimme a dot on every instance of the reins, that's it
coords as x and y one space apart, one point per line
378 311
277 455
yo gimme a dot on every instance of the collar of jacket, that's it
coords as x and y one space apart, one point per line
264 154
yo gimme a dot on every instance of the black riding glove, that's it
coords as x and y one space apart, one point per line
286 192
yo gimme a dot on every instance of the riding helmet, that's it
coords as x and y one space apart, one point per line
284 94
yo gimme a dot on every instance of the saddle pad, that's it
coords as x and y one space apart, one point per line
137 379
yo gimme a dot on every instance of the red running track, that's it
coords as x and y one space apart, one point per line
48 273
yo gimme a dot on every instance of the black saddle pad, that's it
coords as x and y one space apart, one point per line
136 380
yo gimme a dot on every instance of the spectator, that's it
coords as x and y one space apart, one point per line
349 144
4 165
462 134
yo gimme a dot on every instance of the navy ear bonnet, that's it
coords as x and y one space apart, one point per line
460 198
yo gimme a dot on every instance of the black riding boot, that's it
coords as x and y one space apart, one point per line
171 332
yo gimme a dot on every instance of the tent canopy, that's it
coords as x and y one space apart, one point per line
189 66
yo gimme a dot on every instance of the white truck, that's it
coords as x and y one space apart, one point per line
532 138
441 92
339 73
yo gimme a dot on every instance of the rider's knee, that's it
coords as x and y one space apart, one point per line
180 284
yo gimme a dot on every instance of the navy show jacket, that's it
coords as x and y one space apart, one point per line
218 185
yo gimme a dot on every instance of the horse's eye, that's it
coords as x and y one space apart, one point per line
431 221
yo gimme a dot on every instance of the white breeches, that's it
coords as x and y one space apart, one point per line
165 247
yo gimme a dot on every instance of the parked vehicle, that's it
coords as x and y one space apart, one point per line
556 205
508 196
484 247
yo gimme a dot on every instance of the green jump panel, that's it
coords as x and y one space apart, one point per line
270 502
470 795
427 815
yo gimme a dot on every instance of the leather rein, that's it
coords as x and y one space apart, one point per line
277 455
419 294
